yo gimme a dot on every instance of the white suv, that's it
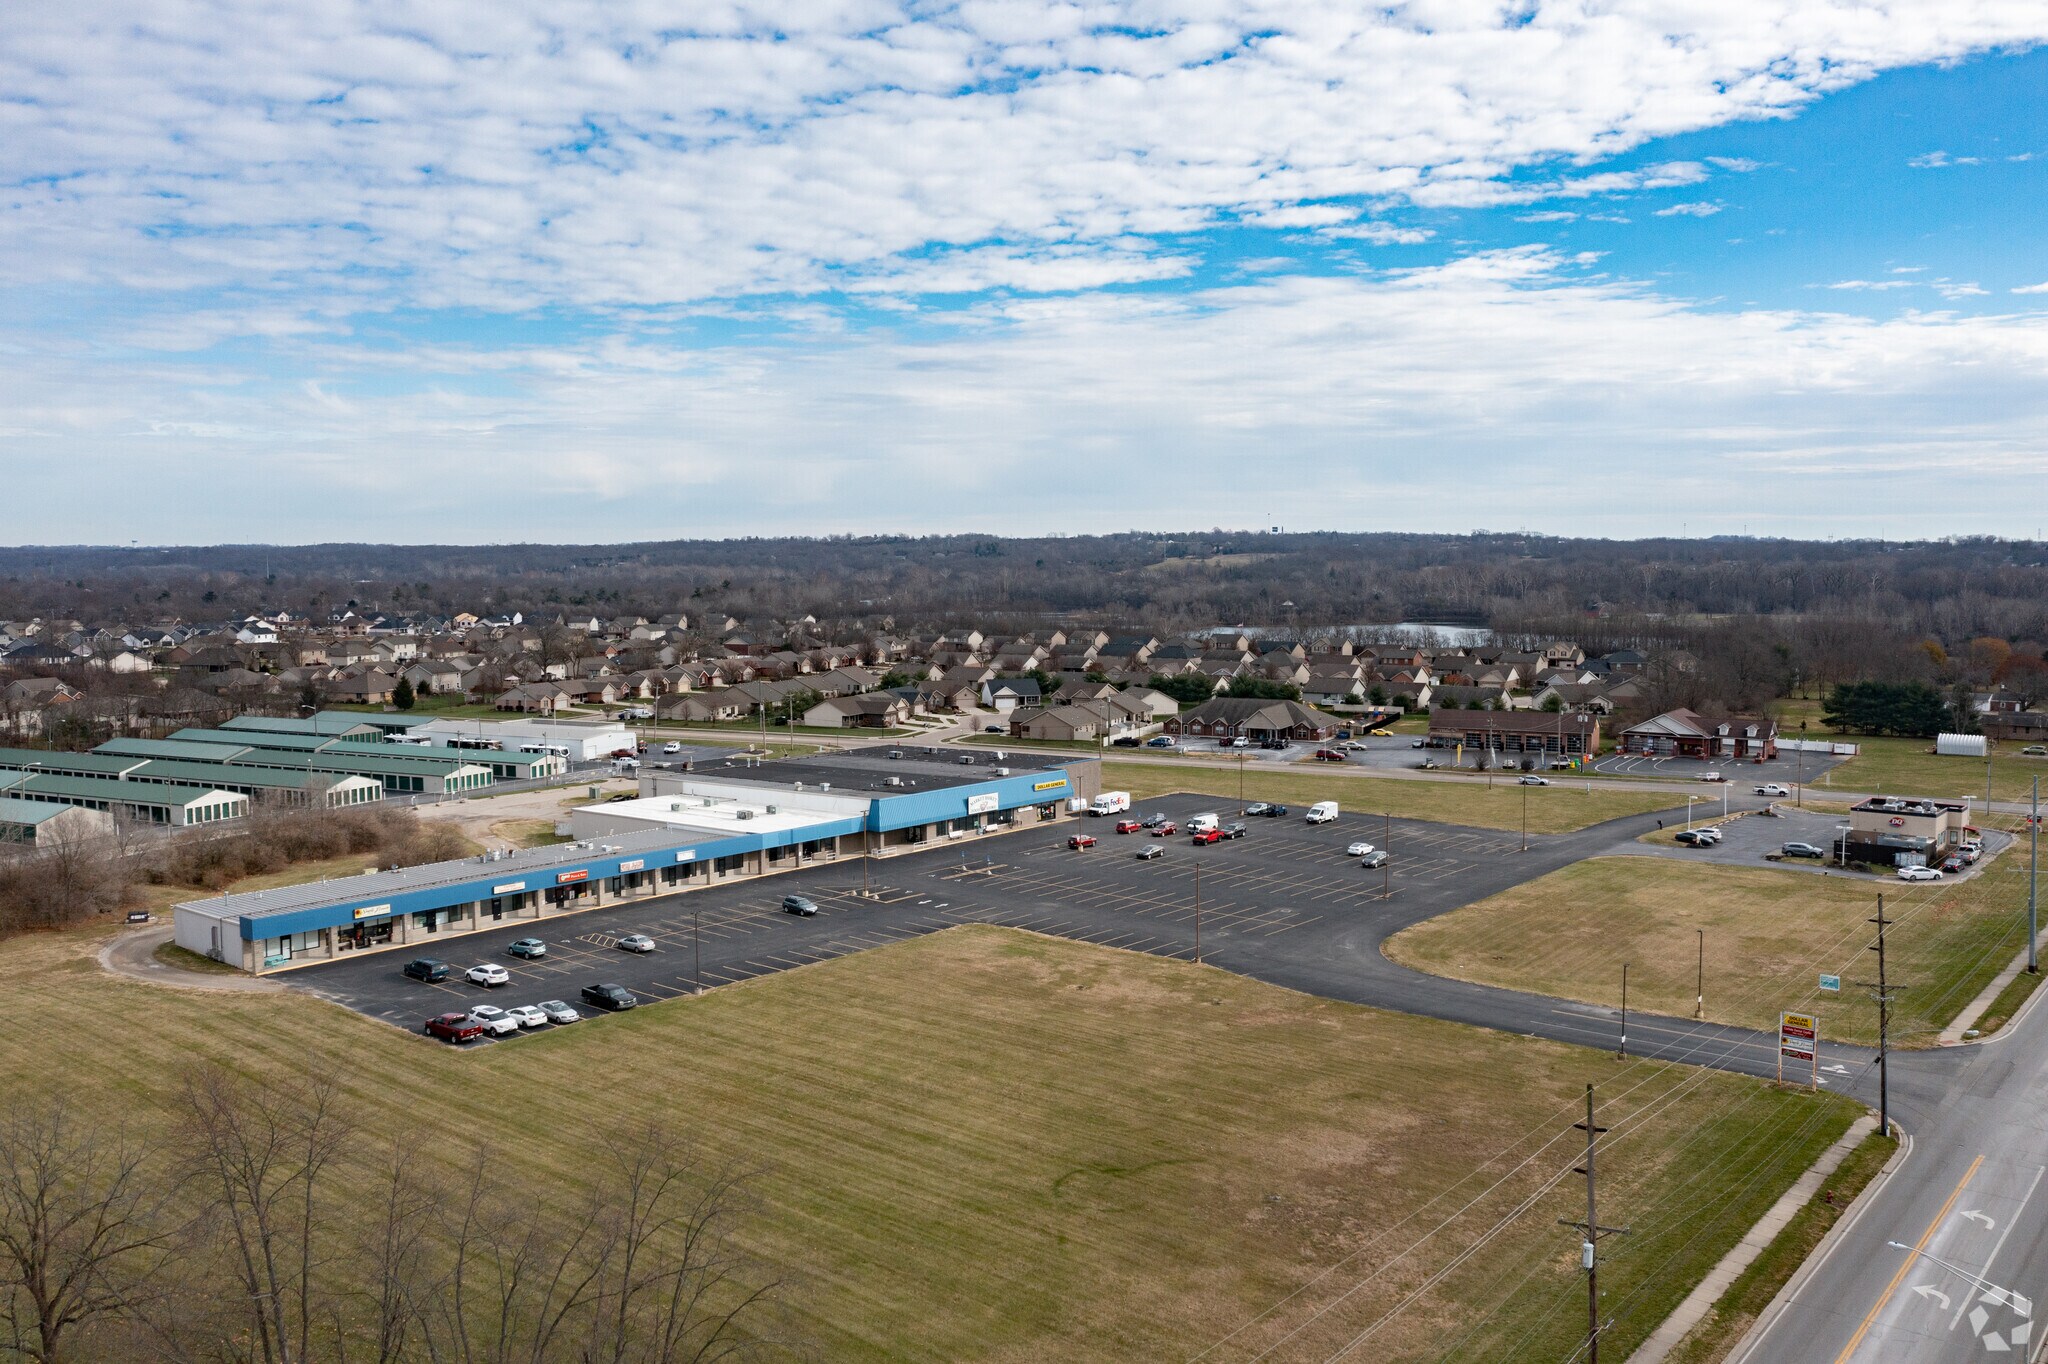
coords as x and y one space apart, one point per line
493 1020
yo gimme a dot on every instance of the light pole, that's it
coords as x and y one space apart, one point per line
696 956
1525 818
1688 812
1198 912
1799 781
1699 999
1624 1010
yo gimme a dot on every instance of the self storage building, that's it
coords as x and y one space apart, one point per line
683 833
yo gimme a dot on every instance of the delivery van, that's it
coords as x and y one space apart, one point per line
1201 824
1110 803
1322 812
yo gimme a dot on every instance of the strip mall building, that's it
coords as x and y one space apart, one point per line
722 822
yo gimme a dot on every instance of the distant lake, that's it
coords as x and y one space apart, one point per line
1450 636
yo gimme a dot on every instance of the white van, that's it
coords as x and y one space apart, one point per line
1322 812
1201 824
1110 803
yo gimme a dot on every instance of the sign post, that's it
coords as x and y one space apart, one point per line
1799 1040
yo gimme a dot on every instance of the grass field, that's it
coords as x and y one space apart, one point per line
1910 767
1551 809
988 1145
1769 936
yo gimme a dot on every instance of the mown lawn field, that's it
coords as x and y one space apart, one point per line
986 1145
1770 934
1910 767
1551 809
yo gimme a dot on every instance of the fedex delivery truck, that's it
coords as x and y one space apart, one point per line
1110 803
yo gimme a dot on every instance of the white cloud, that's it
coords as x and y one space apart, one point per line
1693 210
1378 234
1936 160
1877 284
506 154
2041 288
1548 215
1532 382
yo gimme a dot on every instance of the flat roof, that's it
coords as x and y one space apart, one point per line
921 768
220 775
324 723
256 738
720 818
380 884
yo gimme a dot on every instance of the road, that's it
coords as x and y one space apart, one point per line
1967 1202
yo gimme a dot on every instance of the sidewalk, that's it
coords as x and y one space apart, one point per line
1701 1300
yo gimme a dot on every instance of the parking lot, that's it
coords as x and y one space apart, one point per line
1786 769
1749 840
1285 903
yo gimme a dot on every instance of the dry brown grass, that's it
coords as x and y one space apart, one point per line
990 1145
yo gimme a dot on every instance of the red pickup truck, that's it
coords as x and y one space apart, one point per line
454 1028
1204 837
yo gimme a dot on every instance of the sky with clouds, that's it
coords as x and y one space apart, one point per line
485 270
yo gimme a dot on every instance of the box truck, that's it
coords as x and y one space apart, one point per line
1322 812
1110 803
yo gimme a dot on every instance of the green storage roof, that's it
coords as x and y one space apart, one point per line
179 750
73 764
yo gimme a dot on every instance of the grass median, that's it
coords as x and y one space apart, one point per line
1555 809
1769 935
986 1144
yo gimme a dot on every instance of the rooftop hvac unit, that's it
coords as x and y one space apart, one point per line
773 810
743 814
674 806
892 781
824 786
799 786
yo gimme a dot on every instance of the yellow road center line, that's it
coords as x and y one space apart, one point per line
1899 1277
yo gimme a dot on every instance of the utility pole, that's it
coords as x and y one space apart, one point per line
1624 1013
1699 999
696 956
1525 819
1387 867
1799 782
1882 991
1591 1231
2033 876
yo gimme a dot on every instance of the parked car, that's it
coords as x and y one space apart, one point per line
1275 745
1533 780
1079 841
1329 755
557 1011
1152 821
1803 850
1257 807
1149 851
1712 776
1954 864
1693 838
991 729
1128 826
427 969
799 904
1272 811
490 973
1919 874
2035 751
453 1028
1381 733
1166 830
1709 834
671 748
1125 741
1159 741
1970 852
1774 788
527 1016
615 797
1204 837
610 997
1376 858
493 1020
1235 831
1418 743
1359 849
636 942
533 949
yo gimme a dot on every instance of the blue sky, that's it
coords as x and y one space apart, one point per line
520 271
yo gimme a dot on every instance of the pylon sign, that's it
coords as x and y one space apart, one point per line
1799 1041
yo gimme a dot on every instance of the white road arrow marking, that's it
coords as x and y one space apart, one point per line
1928 1292
1976 1216
1836 1070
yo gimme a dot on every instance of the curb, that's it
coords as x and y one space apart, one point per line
1673 1330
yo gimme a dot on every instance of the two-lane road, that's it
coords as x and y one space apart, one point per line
1949 1261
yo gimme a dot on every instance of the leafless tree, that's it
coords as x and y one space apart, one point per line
258 1155
86 1228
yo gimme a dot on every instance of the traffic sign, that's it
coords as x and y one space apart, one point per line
1832 984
